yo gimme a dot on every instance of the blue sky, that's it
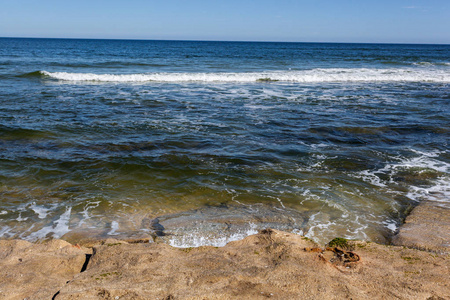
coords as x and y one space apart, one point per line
394 21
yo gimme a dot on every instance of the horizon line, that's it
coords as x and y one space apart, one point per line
212 40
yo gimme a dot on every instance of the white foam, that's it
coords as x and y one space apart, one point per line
311 76
439 188
298 232
39 210
391 225
114 228
3 212
85 212
20 219
4 231
57 229
278 199
197 238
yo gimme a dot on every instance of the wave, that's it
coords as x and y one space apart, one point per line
311 76
426 63
36 74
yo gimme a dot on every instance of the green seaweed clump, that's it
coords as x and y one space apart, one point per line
187 250
339 243
267 79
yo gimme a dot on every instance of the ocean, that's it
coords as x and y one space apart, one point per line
201 143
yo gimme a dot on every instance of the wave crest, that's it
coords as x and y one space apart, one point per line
307 76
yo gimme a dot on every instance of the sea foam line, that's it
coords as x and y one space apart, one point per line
314 75
438 188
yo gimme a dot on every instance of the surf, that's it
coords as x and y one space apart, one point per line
318 75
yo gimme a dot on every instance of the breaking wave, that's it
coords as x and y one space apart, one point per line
312 76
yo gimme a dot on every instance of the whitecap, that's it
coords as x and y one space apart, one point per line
305 76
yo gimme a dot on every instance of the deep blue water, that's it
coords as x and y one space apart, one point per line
98 136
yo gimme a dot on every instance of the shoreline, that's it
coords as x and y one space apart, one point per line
270 264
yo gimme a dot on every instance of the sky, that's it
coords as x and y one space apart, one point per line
381 21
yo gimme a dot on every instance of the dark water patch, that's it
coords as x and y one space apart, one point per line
358 130
366 135
395 63
353 163
125 147
417 176
293 152
417 129
35 74
334 135
17 133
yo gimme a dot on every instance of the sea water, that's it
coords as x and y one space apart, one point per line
207 142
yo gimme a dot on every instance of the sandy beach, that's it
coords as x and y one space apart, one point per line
271 264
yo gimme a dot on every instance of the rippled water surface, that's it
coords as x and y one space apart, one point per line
218 139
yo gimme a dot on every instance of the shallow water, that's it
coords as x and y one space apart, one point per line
324 140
